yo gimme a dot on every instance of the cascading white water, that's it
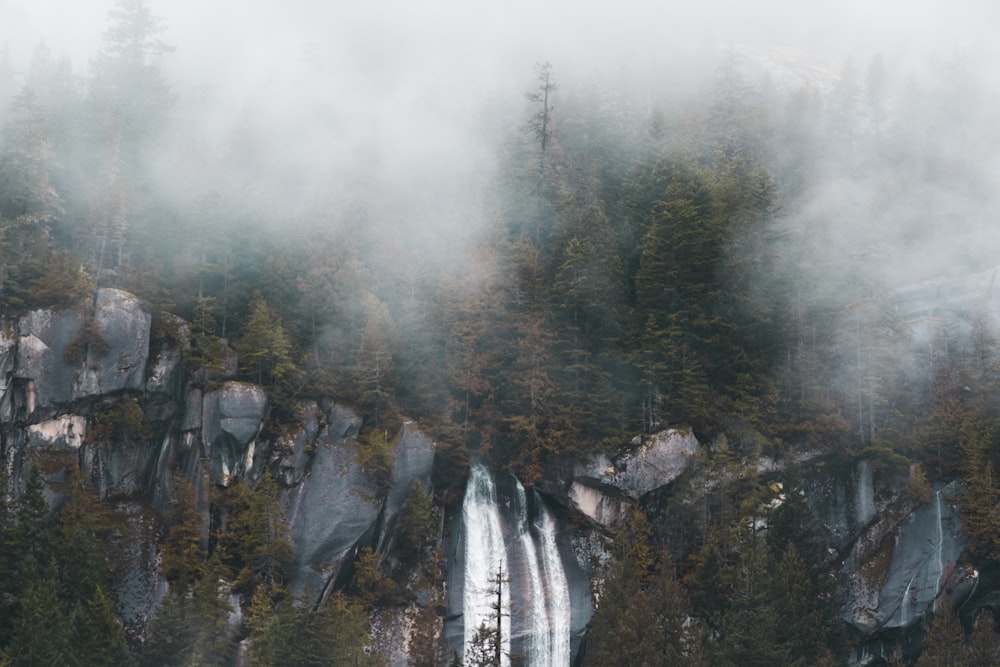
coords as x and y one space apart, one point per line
485 557
534 570
538 643
557 593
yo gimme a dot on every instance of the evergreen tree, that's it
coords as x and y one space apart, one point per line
334 636
254 540
128 83
981 501
375 366
415 525
264 350
42 627
943 644
98 637
33 272
801 621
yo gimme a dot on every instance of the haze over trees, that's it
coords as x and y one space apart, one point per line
723 257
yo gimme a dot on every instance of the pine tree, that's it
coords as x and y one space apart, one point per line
42 626
375 366
33 272
981 501
128 83
264 349
943 644
98 637
800 619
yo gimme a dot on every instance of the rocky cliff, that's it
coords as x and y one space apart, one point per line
104 393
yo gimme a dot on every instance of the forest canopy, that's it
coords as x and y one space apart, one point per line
733 250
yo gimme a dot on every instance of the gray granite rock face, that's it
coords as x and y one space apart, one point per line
231 419
602 487
923 549
657 461
414 458
8 355
298 446
333 507
165 369
602 504
138 585
41 349
336 506
124 322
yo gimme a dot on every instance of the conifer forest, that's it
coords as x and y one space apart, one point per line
436 335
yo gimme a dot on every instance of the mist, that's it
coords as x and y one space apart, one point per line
397 119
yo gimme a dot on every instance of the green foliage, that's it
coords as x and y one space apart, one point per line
375 456
191 627
640 623
981 501
482 649
983 646
943 644
55 609
123 421
89 340
415 526
373 586
99 638
207 352
335 636
254 540
41 634
264 349
184 549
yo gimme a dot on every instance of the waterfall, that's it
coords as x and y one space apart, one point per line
557 589
485 556
533 570
538 643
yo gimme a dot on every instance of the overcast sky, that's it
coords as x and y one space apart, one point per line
389 38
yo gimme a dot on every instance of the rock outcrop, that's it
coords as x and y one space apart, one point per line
123 323
603 487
